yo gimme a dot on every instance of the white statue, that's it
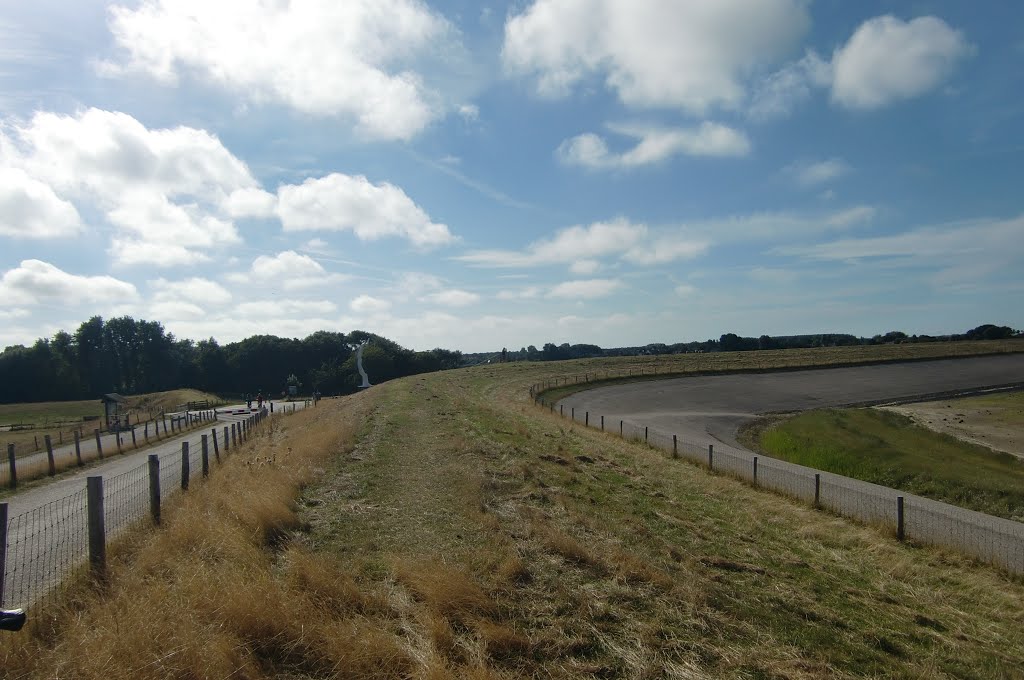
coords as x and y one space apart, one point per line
359 363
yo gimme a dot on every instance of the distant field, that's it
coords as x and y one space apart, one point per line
888 448
56 418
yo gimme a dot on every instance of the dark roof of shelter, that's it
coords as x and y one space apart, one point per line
113 396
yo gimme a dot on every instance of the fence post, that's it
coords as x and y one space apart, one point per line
620 428
154 487
711 456
755 470
216 449
234 435
645 434
561 410
675 447
78 449
135 444
51 466
573 416
817 489
3 549
184 466
899 518
602 423
206 458
586 420
225 438
117 437
99 444
97 531
10 462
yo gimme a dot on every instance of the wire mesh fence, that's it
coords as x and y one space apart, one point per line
44 545
991 539
29 461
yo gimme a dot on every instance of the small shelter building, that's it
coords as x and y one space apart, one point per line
113 410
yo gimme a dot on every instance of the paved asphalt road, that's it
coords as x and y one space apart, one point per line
702 408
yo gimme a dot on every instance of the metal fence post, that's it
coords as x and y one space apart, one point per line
99 444
10 462
3 549
97 530
184 466
216 449
711 456
154 487
206 457
50 464
899 518
78 449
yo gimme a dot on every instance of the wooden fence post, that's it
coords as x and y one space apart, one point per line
645 434
216 449
225 438
154 487
99 444
899 518
206 457
14 470
50 464
675 447
78 449
184 466
711 456
620 428
3 549
817 489
755 470
602 423
97 530
587 419
234 435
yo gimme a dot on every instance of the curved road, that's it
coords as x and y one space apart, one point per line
703 408
714 407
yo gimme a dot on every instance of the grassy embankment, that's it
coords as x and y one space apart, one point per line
890 449
441 526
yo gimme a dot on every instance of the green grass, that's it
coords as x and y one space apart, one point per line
889 449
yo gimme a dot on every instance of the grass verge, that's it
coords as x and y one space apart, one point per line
890 449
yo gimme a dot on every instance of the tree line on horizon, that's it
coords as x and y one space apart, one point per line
730 342
130 356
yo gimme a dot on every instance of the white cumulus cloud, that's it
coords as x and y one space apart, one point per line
354 59
453 298
34 282
655 144
888 59
162 189
195 290
289 270
690 55
30 208
339 202
367 304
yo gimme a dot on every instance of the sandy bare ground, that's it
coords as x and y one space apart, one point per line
995 421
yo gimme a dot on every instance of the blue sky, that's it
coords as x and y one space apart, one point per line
475 175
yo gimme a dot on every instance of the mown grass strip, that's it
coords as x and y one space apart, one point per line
889 449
